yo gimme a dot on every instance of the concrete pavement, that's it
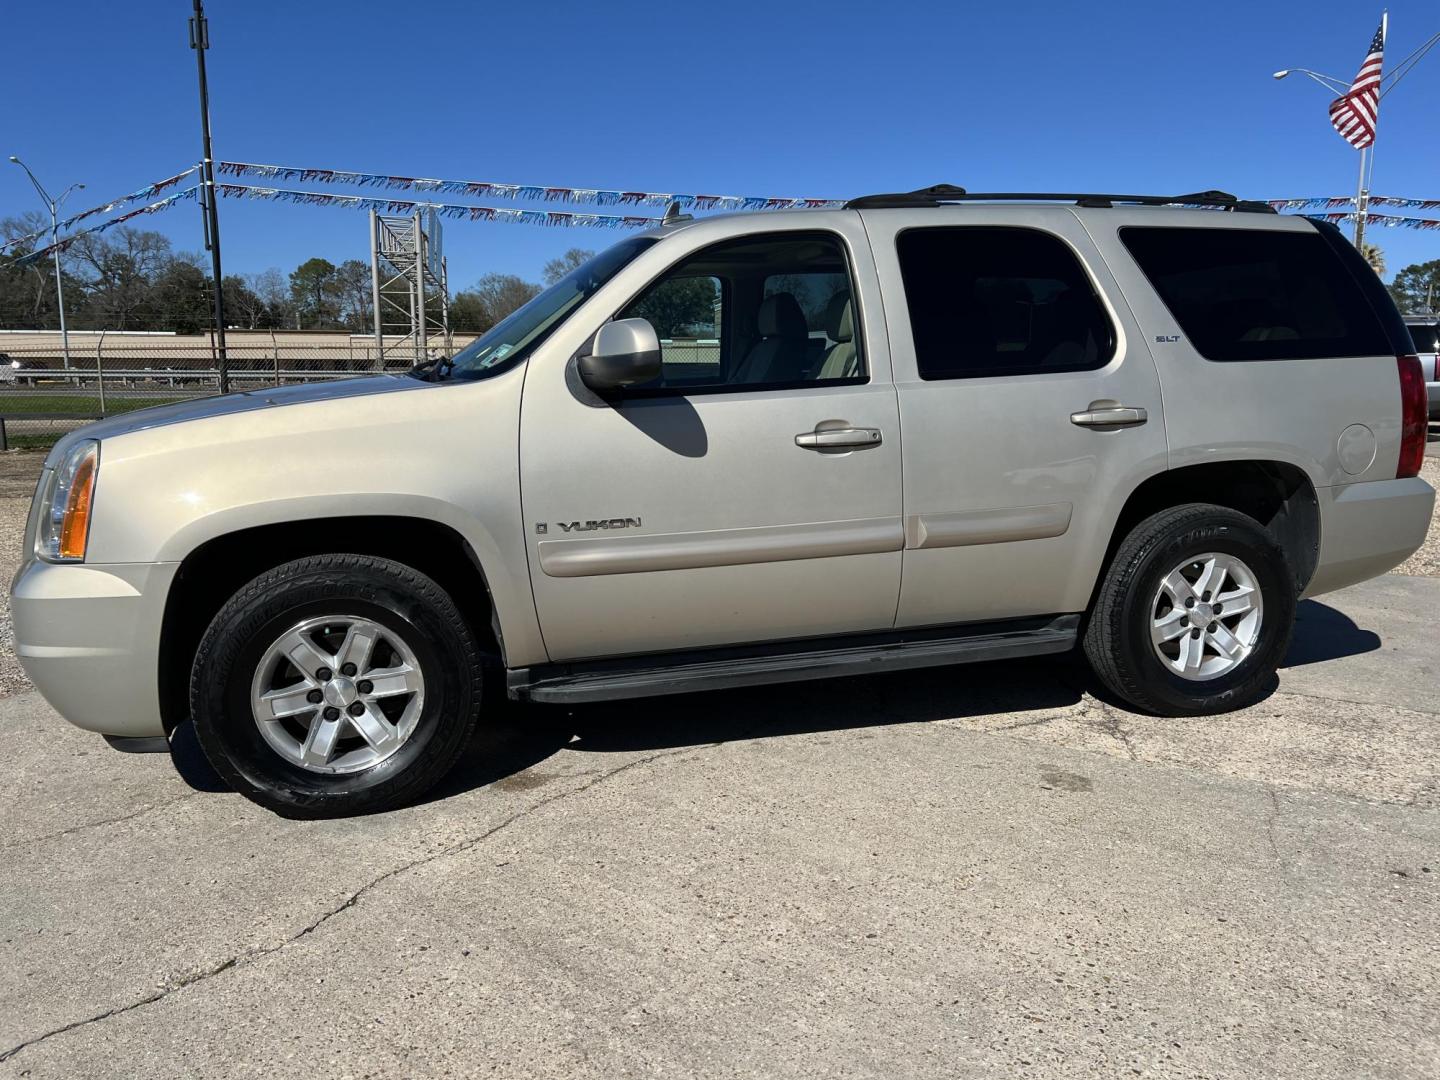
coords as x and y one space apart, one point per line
967 872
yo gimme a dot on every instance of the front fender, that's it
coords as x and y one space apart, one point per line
448 457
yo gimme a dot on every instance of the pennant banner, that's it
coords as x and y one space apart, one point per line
558 218
153 208
481 189
564 218
1330 202
149 191
1386 221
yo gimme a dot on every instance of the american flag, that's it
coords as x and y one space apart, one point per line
1354 115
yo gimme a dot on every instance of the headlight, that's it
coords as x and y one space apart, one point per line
65 507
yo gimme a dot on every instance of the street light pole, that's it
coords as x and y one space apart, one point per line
53 205
200 41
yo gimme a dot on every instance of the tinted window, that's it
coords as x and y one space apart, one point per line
764 312
1257 294
1425 336
1001 301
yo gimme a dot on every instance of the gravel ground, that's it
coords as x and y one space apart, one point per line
1426 561
18 471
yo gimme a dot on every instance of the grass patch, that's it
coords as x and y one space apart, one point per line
22 404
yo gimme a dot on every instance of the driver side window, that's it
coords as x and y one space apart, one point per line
764 312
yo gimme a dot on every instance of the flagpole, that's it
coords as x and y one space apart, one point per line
1367 155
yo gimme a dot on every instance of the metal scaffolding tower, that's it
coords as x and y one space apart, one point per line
411 289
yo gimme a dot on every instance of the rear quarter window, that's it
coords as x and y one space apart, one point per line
1257 294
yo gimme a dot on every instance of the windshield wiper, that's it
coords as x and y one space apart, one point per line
433 370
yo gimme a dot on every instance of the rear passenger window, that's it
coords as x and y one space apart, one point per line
999 301
1258 294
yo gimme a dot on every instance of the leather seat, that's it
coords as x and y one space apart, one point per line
842 360
780 354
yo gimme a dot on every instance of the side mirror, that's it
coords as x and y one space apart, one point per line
626 352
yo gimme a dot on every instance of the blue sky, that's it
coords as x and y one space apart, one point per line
737 98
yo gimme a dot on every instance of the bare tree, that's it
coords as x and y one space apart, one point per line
116 270
556 269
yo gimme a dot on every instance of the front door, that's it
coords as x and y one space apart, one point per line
752 492
1030 403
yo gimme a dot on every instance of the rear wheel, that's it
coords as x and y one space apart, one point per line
1194 614
335 685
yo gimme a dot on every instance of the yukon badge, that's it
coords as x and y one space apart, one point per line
592 525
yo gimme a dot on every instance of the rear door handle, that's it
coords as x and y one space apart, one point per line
1109 414
850 438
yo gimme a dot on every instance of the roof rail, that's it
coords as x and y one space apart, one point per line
940 194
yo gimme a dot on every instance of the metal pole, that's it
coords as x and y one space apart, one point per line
59 287
53 205
379 360
200 41
1360 205
100 369
421 355
445 304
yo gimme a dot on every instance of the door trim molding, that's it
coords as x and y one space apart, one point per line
999 526
597 556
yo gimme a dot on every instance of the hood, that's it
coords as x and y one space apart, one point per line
248 401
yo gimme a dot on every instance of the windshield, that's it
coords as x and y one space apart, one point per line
513 338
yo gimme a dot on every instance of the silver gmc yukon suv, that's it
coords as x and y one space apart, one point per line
924 429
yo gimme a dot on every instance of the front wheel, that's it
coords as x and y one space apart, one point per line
336 685
1194 614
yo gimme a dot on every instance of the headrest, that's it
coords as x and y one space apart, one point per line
839 321
780 316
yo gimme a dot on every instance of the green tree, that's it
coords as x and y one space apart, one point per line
312 290
556 269
680 307
180 298
353 290
1416 289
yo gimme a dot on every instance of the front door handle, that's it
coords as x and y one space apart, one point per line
1109 414
848 438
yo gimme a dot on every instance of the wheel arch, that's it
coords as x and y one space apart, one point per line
216 568
1278 494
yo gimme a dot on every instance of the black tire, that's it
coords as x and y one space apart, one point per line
386 592
1117 636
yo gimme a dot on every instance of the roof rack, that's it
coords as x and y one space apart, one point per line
941 194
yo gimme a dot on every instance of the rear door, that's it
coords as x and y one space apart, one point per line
1030 407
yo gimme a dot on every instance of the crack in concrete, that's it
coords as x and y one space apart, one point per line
457 848
1109 723
1352 701
150 808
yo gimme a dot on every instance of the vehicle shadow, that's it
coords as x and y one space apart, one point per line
1323 633
519 737
514 738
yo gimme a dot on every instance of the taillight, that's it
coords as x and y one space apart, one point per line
1412 417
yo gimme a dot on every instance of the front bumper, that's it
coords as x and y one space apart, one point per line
1369 528
89 638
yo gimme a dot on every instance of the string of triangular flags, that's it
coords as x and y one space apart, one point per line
553 193
485 189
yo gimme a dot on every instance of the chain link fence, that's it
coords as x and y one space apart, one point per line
41 398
